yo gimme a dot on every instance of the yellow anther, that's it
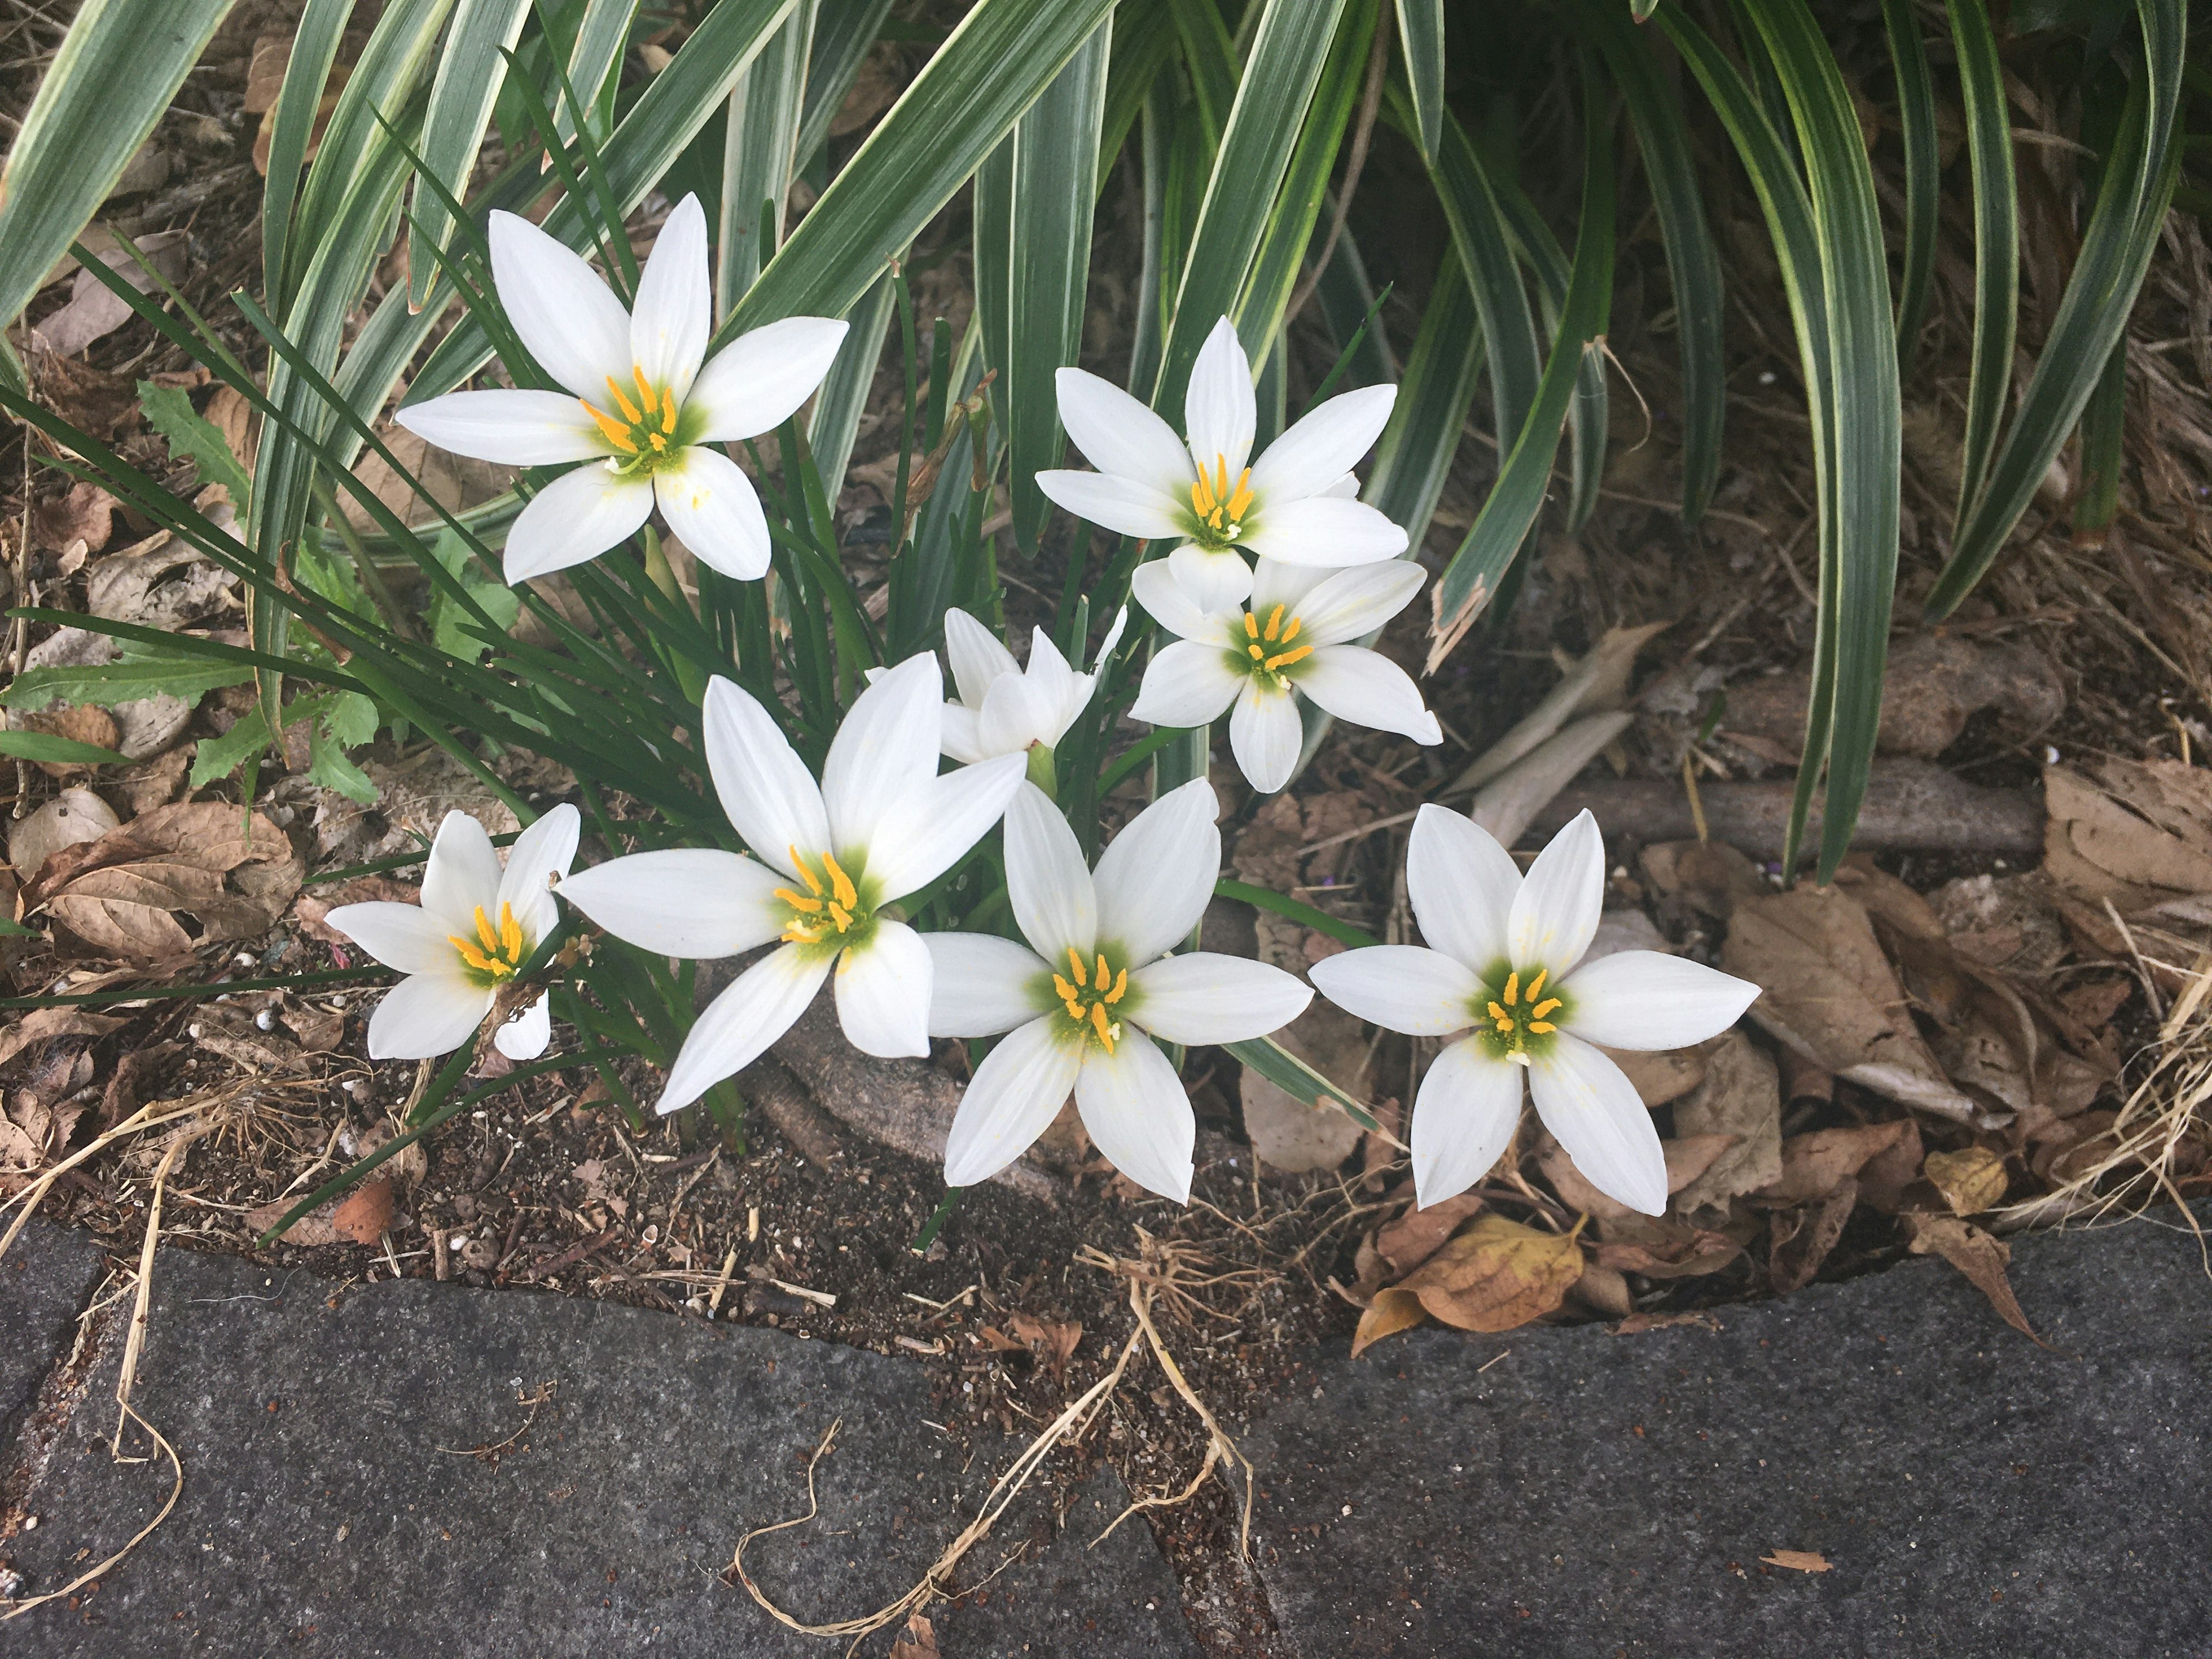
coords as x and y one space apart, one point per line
1103 1025
1242 499
1075 1010
1258 652
1075 966
1542 1008
645 394
1542 1027
1292 632
847 894
1285 658
628 407
804 874
1536 985
1274 621
668 415
510 933
1504 1020
1512 989
1120 984
487 932
1065 992
842 916
1104 974
659 444
1251 622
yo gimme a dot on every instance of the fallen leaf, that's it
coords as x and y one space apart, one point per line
1803 1237
1509 803
167 587
1883 1178
151 783
1685 1161
1712 875
917 1641
232 873
1975 1254
85 514
1660 1076
82 724
1394 1310
1053 1342
454 482
94 310
359 1217
1662 1248
1971 1181
1294 1135
1815 1164
1936 682
2134 832
47 1024
1497 1275
1604 1291
1799 1560
1637 1323
1418 1234
70 819
1739 1098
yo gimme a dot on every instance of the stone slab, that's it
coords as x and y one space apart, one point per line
45 1280
332 1505
1569 1492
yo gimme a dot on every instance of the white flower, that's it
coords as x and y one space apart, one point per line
646 413
830 858
1080 1009
1503 960
1005 709
475 926
1290 640
1294 504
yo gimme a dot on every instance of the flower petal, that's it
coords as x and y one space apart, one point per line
1017 712
1349 605
886 747
980 984
1555 913
1157 877
675 309
1463 1120
1323 530
1265 734
518 429
1649 999
1366 687
1121 505
883 993
1219 411
975 656
1189 683
961 737
401 936
528 1034
1462 883
1274 583
1217 581
1054 901
426 1015
1400 987
1322 445
1168 603
715 512
463 874
690 902
1012 1099
579 516
540 855
928 830
1589 1103
1205 998
1113 638
569 320
770 798
1118 435
1133 1105
760 380
738 1025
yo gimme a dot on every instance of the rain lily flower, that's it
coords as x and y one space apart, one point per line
1082 1003
832 858
1290 640
1503 961
1005 709
1293 504
476 925
646 414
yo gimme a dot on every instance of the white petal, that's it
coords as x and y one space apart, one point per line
739 1024
1047 671
715 511
1133 1105
579 516
886 747
1366 687
1189 683
540 855
528 1034
961 737
1323 445
675 310
1265 734
1462 883
1349 605
1012 1099
401 936
426 1015
1555 913
1590 1104
1275 583
980 984
1118 435
1217 581
1156 879
757 382
464 873
690 902
1054 901
1649 999
1400 987
1219 411
1121 505
569 320
1016 713
883 993
1347 487
1113 637
929 829
771 799
1206 996
1168 603
1323 530
518 429
1463 1120
975 656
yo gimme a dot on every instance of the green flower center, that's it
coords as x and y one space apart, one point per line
495 953
647 433
1516 1020
831 914
1268 651
1219 508
1092 999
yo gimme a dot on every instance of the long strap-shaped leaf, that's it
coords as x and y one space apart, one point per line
299 101
1997 242
1915 112
1414 455
117 70
469 70
760 155
1421 39
601 38
844 32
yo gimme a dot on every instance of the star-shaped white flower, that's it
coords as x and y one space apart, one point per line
1005 709
1294 504
829 858
646 413
1081 1004
1502 959
1290 640
476 925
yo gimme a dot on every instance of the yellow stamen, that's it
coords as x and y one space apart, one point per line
1251 622
1258 652
487 932
1536 985
1120 984
842 916
668 416
1105 974
1103 1025
1512 989
1285 658
1065 992
1243 498
628 407
1542 1027
1075 1010
1274 621
1504 1020
659 444
645 394
1075 966
1543 1008
510 933
804 874
1292 632
847 894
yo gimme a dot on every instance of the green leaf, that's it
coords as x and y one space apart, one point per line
1297 1079
601 38
1421 38
470 69
2104 429
57 751
193 436
1996 243
328 766
1414 455
1916 117
139 675
352 719
1144 42
216 758
760 155
299 101
844 32
450 622
835 420
1267 899
1209 57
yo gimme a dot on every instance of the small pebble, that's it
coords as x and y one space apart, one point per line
264 1021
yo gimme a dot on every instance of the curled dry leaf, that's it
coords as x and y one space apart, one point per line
83 518
1415 1235
1497 1275
1709 875
1738 1098
1663 1247
359 1217
1294 1135
230 872
1660 1076
94 311
2134 832
1971 1181
1799 1560
1934 683
1803 1237
47 1024
917 1641
1978 1254
1687 1160
70 819
1815 1165
81 724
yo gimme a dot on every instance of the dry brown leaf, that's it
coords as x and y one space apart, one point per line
1604 1291
1971 1181
1637 1323
1415 1235
917 1641
1936 682
233 874
1883 1178
1686 1159
1392 1310
1739 1098
1663 1247
94 310
70 819
1053 1342
1662 1077
1294 1135
78 724
85 514
454 482
1799 1560
1815 1165
167 587
1497 1275
1712 875
1802 1238
359 1217
272 56
2135 832
45 1025
1975 1254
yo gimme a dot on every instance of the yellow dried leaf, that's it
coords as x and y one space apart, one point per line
1971 1181
1393 1310
1497 1275
1799 1560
